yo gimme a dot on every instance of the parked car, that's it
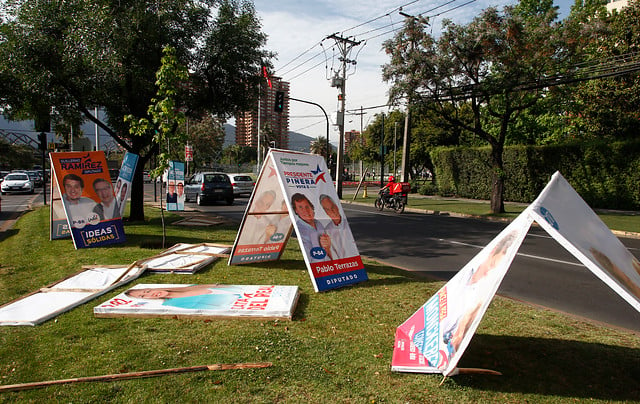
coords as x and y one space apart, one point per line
16 182
242 184
208 186
35 177
145 176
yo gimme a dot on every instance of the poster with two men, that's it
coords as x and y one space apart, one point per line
295 191
88 199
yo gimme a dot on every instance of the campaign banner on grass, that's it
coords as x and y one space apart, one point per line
58 225
175 186
88 198
323 232
125 178
568 219
434 338
208 301
266 225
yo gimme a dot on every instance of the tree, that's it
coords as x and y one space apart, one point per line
164 116
76 55
606 108
319 146
206 135
492 64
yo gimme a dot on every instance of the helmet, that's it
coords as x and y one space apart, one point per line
391 178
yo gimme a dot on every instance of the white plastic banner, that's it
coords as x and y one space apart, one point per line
568 219
208 301
66 294
434 338
297 189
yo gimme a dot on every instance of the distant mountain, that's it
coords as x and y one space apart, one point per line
297 141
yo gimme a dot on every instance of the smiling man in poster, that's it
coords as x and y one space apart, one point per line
300 194
84 181
323 232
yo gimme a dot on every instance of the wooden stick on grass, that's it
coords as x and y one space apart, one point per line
134 375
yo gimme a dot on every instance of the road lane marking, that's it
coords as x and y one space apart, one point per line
520 254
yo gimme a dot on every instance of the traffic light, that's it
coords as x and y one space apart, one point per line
279 105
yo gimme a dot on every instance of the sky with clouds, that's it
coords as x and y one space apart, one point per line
298 30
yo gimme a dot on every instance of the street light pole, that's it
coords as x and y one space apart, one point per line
326 117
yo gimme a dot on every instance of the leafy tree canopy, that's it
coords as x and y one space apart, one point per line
75 55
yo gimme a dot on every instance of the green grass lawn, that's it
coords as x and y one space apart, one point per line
337 349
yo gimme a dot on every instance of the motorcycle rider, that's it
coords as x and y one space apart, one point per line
388 190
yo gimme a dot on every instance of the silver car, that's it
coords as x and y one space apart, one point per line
17 182
242 184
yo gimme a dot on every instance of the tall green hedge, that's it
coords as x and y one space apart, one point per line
606 175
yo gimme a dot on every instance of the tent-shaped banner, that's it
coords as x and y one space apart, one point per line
295 191
91 209
434 338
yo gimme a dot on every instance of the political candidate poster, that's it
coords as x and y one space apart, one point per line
434 338
266 225
58 226
175 186
125 178
208 301
567 218
88 198
301 182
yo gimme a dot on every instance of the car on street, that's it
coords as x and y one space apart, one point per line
242 184
207 187
17 182
35 177
145 176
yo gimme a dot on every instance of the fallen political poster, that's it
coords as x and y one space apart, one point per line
434 338
185 258
202 301
296 189
88 198
63 295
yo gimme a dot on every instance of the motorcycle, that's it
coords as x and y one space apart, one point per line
395 202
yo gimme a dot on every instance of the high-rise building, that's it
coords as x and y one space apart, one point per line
274 124
350 137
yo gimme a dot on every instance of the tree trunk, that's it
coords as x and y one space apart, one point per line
497 179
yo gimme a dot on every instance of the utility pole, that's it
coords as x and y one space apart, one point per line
344 45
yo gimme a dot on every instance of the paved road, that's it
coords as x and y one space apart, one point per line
13 205
543 273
